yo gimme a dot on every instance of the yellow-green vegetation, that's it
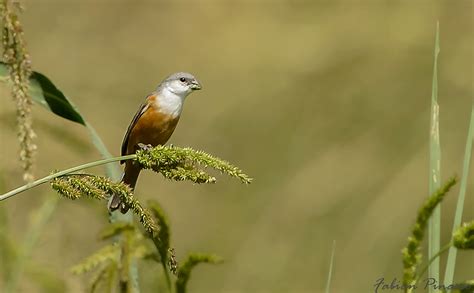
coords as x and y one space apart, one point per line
173 163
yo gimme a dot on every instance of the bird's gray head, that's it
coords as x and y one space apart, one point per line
181 83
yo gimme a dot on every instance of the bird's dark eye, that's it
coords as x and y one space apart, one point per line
182 79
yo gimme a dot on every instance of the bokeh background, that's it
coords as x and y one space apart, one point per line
325 103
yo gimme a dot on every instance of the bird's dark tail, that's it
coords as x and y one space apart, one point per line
130 177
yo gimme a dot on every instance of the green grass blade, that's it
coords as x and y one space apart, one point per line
450 265
434 237
331 265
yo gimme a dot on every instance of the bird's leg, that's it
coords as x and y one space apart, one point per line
145 147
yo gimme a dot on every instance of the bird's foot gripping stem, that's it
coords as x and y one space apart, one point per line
145 147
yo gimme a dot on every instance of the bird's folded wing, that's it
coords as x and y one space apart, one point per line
143 107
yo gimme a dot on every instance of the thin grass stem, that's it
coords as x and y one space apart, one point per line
62 173
331 264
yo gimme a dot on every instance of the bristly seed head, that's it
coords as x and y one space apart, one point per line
18 61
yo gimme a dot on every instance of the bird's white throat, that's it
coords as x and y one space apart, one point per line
170 103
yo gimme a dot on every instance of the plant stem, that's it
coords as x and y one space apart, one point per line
64 172
441 251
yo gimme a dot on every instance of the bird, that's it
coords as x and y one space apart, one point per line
153 124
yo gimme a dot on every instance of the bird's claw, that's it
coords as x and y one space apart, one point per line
145 147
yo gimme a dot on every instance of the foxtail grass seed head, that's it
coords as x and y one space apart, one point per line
98 187
16 56
65 189
411 255
182 164
463 237
77 186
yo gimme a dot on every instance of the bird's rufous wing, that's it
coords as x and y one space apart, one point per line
143 107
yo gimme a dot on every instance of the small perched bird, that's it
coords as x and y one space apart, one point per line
153 124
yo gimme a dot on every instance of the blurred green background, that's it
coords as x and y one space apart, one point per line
325 103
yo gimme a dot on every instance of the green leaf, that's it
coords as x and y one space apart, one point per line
45 93
184 272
